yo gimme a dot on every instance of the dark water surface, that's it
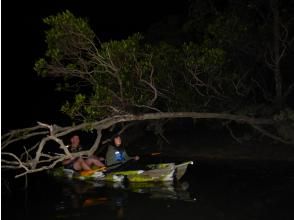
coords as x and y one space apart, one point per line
209 190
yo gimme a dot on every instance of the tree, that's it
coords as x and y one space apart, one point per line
258 41
118 74
129 80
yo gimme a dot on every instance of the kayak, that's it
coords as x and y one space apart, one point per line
161 172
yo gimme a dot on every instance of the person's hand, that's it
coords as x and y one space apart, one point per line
101 158
136 157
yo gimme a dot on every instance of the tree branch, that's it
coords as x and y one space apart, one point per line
42 161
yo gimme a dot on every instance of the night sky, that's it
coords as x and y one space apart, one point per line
27 98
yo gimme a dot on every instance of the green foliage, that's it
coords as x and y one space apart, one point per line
226 30
122 75
285 114
131 62
68 40
41 67
208 60
68 35
216 70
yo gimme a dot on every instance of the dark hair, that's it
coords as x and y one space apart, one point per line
115 136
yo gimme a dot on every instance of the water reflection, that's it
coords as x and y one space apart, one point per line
81 195
165 190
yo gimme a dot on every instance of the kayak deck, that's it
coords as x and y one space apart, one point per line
161 172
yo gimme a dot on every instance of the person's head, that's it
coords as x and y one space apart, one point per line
117 140
75 141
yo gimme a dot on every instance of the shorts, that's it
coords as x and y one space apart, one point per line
70 166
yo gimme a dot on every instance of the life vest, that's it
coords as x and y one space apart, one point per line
119 156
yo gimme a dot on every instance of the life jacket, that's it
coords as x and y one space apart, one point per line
75 150
119 155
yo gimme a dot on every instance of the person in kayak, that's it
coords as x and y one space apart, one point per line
78 163
116 155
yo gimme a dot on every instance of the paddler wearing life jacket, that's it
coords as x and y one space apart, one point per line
78 163
116 154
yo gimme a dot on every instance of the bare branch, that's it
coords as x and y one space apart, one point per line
270 135
96 143
20 134
232 134
43 161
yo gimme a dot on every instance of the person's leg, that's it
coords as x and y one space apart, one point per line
97 158
77 166
80 164
93 161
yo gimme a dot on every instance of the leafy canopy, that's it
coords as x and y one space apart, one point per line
213 71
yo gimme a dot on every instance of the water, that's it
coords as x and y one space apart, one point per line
209 190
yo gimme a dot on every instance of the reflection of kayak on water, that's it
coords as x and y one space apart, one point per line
154 190
84 194
162 172
162 190
94 201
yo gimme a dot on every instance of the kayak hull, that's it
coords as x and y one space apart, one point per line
162 172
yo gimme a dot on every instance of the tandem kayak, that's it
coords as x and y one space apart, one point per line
153 173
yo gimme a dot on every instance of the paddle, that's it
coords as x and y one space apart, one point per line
123 165
90 172
141 156
120 167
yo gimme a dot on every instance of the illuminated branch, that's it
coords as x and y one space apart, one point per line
37 160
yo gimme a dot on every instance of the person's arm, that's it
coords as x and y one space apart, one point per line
110 156
67 161
127 157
